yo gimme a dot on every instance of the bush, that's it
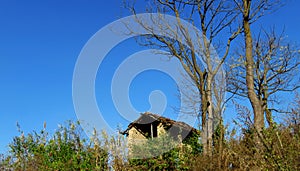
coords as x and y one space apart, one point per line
164 153
67 149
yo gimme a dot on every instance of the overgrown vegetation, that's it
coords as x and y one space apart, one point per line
68 149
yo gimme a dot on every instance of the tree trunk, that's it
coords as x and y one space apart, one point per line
255 103
204 123
210 118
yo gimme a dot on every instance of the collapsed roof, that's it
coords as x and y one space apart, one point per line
148 118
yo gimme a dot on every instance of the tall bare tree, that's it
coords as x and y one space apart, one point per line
275 66
214 18
250 11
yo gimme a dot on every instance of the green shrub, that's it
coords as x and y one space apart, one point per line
164 153
67 149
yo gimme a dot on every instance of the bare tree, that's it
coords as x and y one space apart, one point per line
214 18
276 63
250 11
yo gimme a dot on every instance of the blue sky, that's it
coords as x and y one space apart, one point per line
39 46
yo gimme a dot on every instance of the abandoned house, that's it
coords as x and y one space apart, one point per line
150 125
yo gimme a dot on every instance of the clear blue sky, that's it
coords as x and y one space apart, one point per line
39 46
